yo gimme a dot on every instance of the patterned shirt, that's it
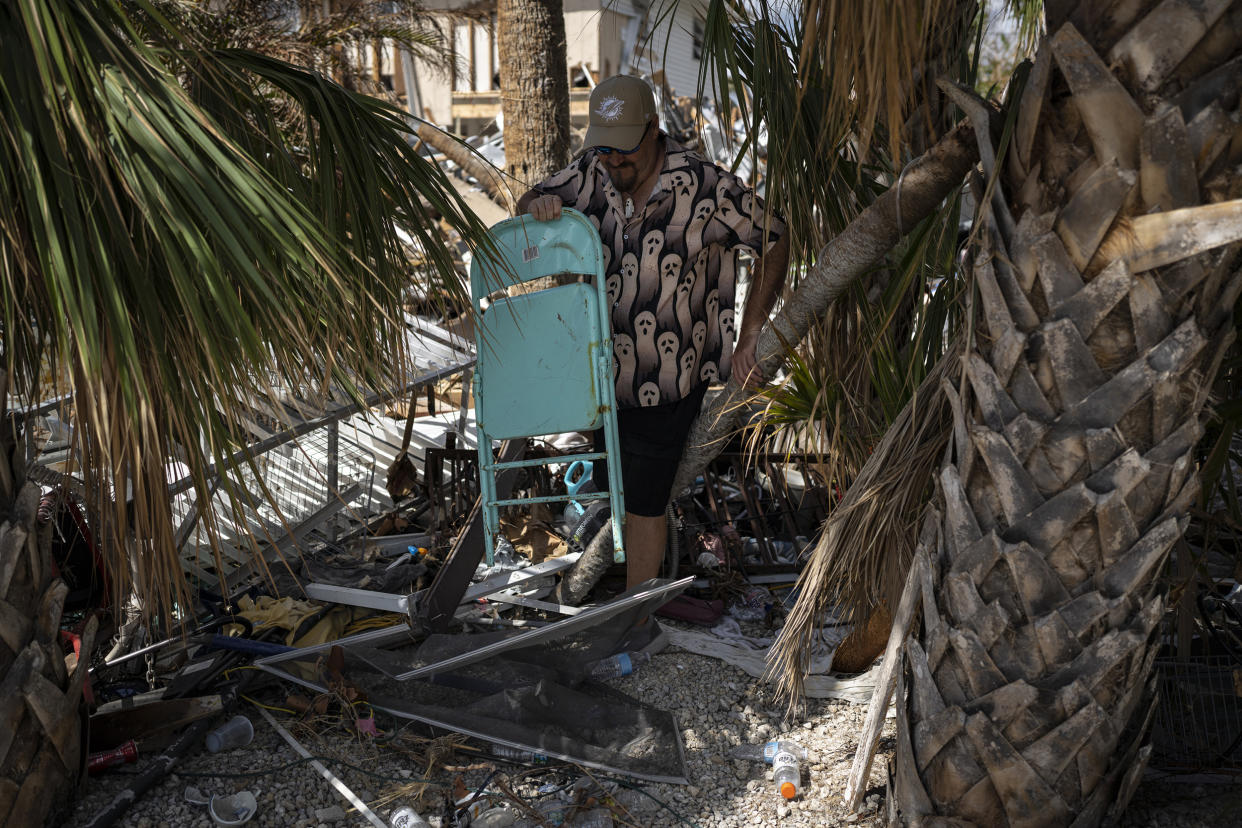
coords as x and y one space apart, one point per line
670 269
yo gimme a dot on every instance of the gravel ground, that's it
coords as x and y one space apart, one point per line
717 707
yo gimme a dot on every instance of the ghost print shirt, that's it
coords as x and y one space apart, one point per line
670 269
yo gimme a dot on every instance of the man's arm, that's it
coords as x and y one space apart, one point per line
765 286
541 206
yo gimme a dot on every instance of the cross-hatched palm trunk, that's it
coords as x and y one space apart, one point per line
1104 293
41 730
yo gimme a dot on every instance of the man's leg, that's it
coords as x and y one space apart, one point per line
645 538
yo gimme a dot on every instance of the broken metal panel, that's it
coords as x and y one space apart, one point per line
655 593
515 577
300 459
367 598
395 707
438 605
315 455
527 690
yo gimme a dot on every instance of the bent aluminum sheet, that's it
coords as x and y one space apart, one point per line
412 712
648 727
658 593
393 602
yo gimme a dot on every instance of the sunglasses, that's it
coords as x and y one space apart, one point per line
609 150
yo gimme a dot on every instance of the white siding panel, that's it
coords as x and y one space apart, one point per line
482 58
582 39
461 45
681 68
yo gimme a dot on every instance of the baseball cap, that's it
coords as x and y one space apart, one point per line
621 107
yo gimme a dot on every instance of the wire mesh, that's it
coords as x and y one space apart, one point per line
297 476
1198 721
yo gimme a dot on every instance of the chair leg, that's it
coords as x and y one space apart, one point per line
487 494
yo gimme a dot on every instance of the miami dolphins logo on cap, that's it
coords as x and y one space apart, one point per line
610 108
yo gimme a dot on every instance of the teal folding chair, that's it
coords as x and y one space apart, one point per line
544 358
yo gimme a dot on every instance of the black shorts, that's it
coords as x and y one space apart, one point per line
652 440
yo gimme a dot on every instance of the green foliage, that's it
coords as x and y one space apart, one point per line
166 249
813 173
1007 34
850 377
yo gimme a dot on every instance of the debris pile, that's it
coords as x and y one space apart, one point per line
388 627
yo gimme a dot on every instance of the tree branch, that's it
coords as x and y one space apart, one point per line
860 247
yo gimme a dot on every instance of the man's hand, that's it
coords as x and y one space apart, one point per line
545 207
745 369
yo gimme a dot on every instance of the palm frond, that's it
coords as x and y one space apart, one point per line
170 253
873 59
868 540
813 175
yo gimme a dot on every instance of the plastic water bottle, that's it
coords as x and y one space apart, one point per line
407 817
787 773
767 751
494 818
517 754
621 664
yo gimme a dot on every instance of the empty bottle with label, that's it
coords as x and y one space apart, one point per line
621 664
517 754
787 773
767 751
407 817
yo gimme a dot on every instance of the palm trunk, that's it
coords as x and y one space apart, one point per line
41 729
534 91
1029 690
534 87
460 154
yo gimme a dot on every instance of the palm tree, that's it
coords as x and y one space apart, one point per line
167 250
1105 311
534 86
1106 266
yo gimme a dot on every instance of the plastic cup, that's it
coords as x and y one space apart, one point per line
233 810
236 732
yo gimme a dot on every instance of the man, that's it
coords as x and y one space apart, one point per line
671 224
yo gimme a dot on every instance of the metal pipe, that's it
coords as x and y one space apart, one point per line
339 786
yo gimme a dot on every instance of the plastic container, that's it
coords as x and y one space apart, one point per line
787 774
407 817
97 762
494 818
754 605
577 479
621 664
517 754
233 810
236 732
767 751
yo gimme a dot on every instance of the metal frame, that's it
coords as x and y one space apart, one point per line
586 619
407 604
392 709
438 354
